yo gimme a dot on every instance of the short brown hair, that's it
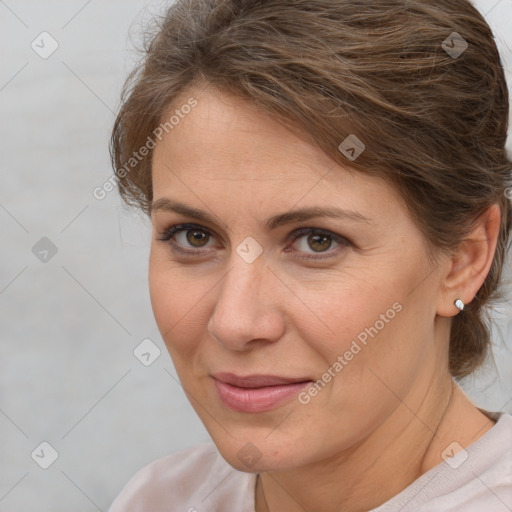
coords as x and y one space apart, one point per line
433 121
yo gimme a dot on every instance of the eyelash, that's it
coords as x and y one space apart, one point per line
169 233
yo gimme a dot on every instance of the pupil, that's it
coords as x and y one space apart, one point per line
195 236
317 240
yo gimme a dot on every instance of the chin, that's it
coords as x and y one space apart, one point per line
258 455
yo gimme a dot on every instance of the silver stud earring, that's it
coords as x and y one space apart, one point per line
459 304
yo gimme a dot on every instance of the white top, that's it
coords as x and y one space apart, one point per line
198 479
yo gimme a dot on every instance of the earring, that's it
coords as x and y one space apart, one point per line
459 304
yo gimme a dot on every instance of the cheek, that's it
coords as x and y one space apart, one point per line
382 344
350 304
370 321
178 304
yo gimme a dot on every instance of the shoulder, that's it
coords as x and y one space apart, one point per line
186 480
492 453
474 479
486 476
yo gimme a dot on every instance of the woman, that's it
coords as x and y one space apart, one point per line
327 184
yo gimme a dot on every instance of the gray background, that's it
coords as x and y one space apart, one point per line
68 326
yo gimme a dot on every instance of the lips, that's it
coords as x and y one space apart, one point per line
257 381
256 393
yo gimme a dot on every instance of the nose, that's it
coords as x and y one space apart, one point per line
248 306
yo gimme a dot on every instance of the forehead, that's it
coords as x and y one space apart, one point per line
224 132
227 144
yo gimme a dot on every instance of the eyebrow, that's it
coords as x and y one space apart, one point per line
303 214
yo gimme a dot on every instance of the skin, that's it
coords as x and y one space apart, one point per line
383 420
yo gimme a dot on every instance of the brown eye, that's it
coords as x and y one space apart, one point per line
313 242
187 239
197 237
319 243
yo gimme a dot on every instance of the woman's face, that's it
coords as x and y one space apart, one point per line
267 286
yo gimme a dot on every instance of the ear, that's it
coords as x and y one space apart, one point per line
470 263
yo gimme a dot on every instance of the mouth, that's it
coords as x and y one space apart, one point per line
257 393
